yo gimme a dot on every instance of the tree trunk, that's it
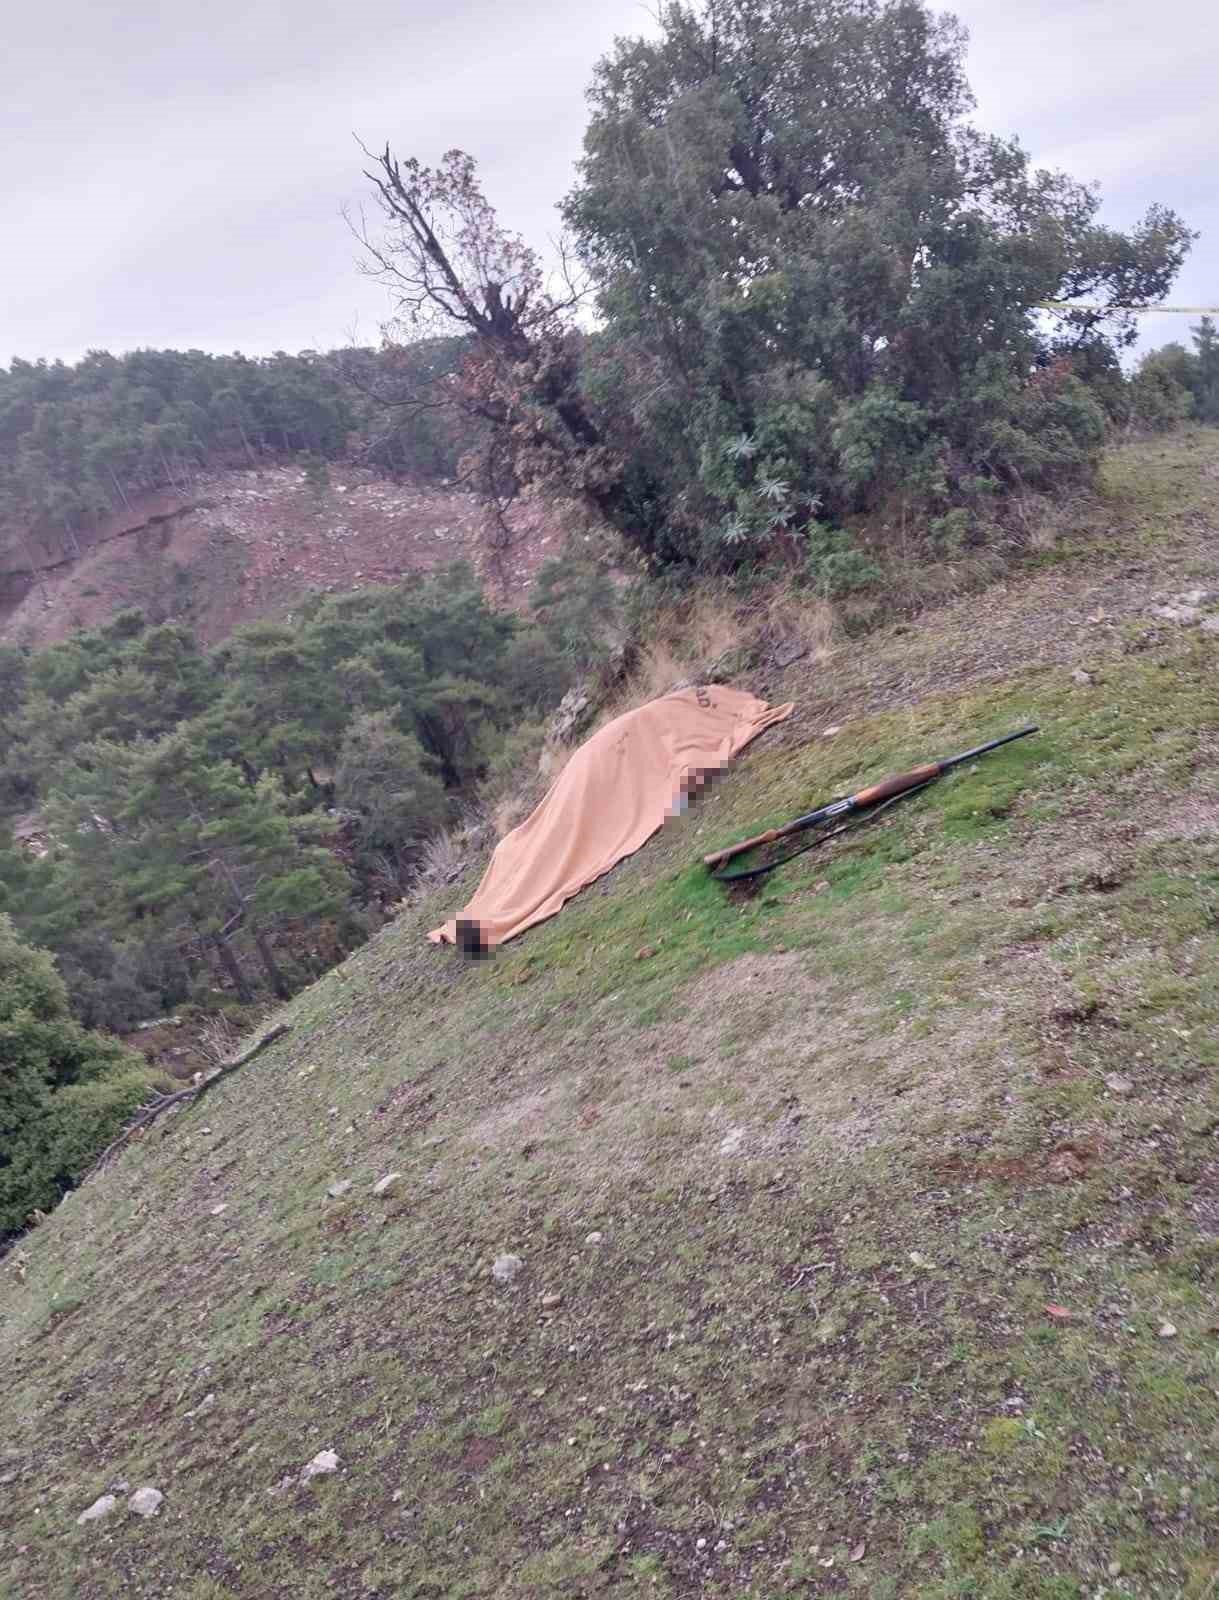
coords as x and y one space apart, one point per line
275 977
229 962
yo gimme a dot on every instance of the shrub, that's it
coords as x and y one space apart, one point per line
64 1092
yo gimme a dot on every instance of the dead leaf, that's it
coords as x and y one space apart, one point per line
645 952
859 1552
1059 1313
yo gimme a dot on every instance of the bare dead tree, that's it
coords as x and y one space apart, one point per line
450 267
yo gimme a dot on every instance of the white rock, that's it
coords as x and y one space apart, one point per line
1182 614
323 1461
505 1268
1167 1331
337 1190
218 1211
594 1238
100 1508
1209 625
1116 1084
145 1502
385 1183
1196 597
732 1141
1081 677
830 732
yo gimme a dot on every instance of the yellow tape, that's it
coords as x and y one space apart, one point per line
1092 305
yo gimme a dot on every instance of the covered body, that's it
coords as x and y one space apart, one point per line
610 798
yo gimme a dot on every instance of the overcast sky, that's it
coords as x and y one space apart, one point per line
174 182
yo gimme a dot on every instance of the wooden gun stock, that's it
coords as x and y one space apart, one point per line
718 856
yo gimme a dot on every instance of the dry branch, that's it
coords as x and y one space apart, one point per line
148 1113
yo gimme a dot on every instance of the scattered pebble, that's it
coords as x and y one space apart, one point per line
100 1508
1185 615
205 1405
323 1461
830 732
218 1211
1117 1084
505 1268
385 1183
550 1301
732 1141
1167 1331
1081 677
337 1190
145 1502
593 1238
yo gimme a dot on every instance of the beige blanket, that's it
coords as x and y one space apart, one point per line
610 798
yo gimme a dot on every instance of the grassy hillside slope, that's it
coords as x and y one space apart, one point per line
793 1182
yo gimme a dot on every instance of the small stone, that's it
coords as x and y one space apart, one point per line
1210 625
1197 597
700 1544
1167 1331
1081 677
337 1190
550 1301
145 1502
732 1141
1114 1569
1184 615
505 1268
323 1461
101 1507
1117 1084
119 1486
218 1211
205 1405
830 732
593 1238
386 1183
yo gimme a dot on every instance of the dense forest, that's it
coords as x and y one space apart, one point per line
808 310
229 823
78 442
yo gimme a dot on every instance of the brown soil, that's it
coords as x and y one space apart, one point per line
240 545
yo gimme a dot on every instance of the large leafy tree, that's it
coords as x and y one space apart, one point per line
819 283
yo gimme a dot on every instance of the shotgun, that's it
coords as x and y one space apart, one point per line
870 801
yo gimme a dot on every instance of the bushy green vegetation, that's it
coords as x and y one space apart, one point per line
1173 383
231 817
819 289
63 1090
